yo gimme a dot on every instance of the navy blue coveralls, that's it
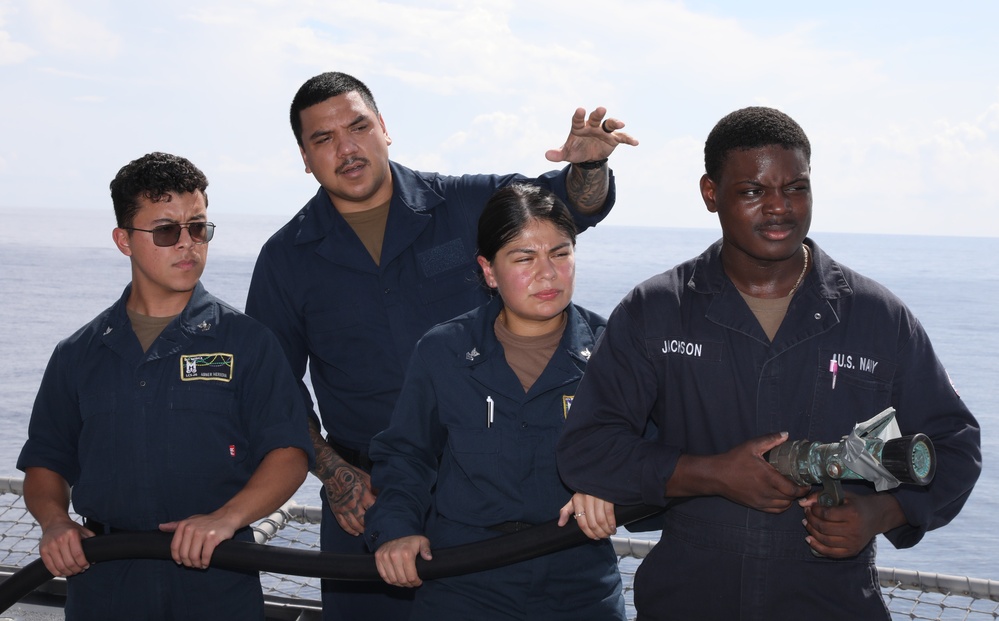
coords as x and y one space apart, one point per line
154 437
355 323
684 349
488 474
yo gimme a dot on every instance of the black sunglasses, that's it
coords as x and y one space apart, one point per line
169 234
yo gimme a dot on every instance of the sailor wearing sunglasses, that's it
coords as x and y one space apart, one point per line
170 411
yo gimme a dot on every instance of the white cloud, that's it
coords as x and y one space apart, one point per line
900 121
67 30
12 52
990 119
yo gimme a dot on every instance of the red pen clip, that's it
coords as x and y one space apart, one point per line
834 369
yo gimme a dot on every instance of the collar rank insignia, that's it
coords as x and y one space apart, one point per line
566 404
204 326
471 355
108 331
585 353
215 367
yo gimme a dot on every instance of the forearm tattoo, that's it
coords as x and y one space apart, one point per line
325 456
344 489
587 189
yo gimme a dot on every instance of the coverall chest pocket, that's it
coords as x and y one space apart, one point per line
326 329
849 387
203 434
474 475
97 436
451 293
454 282
471 442
340 340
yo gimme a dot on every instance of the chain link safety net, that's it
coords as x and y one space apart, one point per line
910 595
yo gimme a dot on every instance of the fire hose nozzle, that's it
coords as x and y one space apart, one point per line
887 463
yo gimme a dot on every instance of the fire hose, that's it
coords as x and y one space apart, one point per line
873 452
245 556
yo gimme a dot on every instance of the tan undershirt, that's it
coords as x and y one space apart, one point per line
528 355
369 226
769 311
147 328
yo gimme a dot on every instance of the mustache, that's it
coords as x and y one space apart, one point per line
351 162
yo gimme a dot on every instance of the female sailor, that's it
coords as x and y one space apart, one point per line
470 451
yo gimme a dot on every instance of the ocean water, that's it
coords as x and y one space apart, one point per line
58 269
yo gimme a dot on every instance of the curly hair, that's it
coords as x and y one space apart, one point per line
153 176
752 128
322 87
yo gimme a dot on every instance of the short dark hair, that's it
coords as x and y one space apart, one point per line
512 208
752 128
153 176
322 87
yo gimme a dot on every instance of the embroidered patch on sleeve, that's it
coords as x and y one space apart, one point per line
566 403
209 367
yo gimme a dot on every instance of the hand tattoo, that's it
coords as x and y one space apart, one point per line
342 484
346 490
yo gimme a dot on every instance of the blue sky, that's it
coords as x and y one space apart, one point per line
899 99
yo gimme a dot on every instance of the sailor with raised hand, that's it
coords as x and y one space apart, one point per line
377 257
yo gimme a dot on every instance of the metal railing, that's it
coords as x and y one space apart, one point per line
909 594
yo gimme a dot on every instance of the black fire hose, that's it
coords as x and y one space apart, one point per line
243 555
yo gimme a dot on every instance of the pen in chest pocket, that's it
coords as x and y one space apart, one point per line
489 411
834 369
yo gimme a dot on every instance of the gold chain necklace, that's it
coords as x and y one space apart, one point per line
801 276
